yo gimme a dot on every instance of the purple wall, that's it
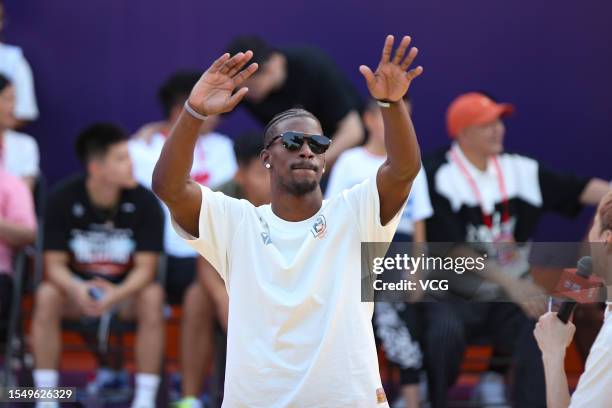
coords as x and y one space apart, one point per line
103 60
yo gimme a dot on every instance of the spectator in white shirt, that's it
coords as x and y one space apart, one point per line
14 65
358 163
18 151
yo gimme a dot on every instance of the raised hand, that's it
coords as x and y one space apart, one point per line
391 79
213 92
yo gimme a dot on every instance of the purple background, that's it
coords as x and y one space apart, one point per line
104 60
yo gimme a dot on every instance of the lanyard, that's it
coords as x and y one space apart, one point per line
486 218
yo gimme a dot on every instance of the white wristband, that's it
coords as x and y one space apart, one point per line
383 104
193 113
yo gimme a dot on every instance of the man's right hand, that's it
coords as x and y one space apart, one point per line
212 94
86 303
553 336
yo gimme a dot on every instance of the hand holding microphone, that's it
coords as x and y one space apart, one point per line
553 336
573 283
554 331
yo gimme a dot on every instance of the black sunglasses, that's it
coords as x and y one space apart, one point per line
293 141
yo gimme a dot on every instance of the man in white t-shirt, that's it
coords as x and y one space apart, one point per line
298 333
595 384
396 323
14 65
213 164
18 151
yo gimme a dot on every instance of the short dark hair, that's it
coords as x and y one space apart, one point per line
261 49
270 129
4 82
95 140
247 147
176 89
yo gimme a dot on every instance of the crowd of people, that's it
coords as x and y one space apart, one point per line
106 233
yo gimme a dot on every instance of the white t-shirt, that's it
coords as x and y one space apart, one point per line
595 385
214 163
19 154
15 67
298 333
356 164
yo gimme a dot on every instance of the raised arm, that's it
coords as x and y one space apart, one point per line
213 94
388 84
553 338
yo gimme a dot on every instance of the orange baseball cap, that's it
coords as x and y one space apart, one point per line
474 108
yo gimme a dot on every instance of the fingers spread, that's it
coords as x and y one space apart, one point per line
386 53
241 63
401 50
413 73
218 63
231 63
245 74
367 74
236 98
411 56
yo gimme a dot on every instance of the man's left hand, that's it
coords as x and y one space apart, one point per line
391 79
552 335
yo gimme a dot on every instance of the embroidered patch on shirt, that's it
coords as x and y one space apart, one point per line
381 396
319 227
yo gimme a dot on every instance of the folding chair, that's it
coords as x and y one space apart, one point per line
27 260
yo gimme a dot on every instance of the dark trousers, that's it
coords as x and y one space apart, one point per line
180 273
450 327
6 296
397 326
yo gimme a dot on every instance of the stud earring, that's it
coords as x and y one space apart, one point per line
268 165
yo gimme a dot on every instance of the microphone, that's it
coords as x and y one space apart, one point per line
585 268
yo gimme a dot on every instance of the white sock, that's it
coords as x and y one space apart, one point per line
146 390
46 378
47 405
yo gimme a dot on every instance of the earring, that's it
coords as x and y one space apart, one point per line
268 165
323 170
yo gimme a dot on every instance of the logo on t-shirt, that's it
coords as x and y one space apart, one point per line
101 250
319 227
265 235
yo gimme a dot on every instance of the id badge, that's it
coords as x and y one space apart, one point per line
505 248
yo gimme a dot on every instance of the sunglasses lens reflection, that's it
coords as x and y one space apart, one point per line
293 141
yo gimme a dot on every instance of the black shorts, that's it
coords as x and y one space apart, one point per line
180 272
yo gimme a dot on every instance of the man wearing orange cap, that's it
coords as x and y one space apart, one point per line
486 200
